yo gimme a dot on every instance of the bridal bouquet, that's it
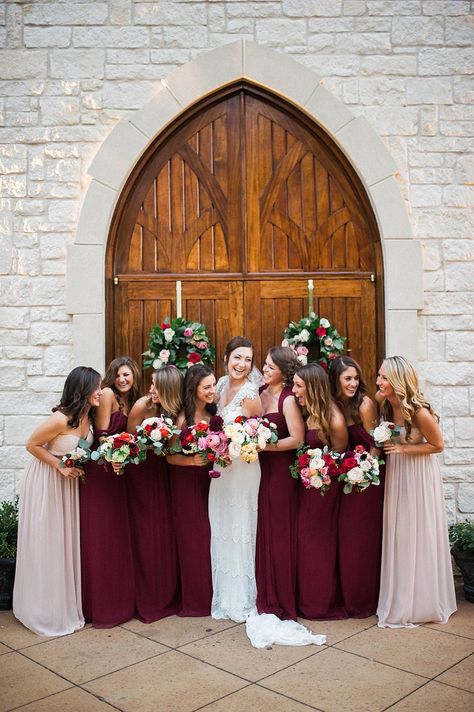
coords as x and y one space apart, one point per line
315 467
384 432
120 449
154 433
208 440
249 435
359 469
77 457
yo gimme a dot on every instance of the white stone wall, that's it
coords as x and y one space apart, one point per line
70 70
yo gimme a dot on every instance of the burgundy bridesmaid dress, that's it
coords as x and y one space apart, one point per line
189 506
157 593
108 585
318 594
275 562
360 539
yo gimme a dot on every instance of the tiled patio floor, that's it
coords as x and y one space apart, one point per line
186 664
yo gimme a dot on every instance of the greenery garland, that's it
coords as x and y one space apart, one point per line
179 342
300 335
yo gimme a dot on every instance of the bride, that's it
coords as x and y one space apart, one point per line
233 497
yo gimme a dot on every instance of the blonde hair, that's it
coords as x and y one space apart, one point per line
318 401
168 382
403 378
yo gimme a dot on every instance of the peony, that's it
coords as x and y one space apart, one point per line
234 450
164 355
355 476
188 332
168 334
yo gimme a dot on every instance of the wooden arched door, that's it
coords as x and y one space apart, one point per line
243 200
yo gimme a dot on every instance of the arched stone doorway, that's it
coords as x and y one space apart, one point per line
362 156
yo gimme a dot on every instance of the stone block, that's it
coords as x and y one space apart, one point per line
284 75
62 211
444 223
449 304
417 31
53 247
12 377
394 7
138 72
65 13
185 37
14 456
14 317
309 8
459 31
48 384
23 352
436 346
375 91
280 32
390 209
249 8
95 214
458 250
459 276
31 403
87 350
460 346
76 64
422 196
363 43
466 496
110 37
454 374
463 90
169 13
320 42
431 255
433 281
120 12
47 36
459 322
328 111
13 185
368 154
47 334
122 95
401 334
444 61
9 337
455 401
446 7
58 360
60 110
331 25
169 56
465 169
353 7
125 56
28 262
404 65
7 484
23 64
459 196
85 285
18 428
456 474
120 150
6 254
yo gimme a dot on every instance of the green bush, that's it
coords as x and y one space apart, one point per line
461 536
8 528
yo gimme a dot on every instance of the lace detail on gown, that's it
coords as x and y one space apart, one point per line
233 503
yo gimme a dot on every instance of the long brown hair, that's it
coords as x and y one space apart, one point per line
168 382
79 385
318 399
192 379
111 374
338 366
403 378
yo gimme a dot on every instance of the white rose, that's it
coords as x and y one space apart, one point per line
382 434
285 342
302 359
316 463
365 465
355 475
316 482
324 322
157 363
234 450
328 341
168 334
80 452
304 335
164 355
155 434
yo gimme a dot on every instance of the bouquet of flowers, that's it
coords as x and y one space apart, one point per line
178 342
385 432
358 469
315 467
154 433
77 457
120 449
249 435
208 440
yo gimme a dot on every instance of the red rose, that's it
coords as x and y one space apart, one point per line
328 459
324 365
239 419
194 358
148 429
333 470
202 426
188 439
164 325
321 331
164 432
303 460
211 457
349 463
69 463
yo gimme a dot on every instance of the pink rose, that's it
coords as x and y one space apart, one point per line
188 332
301 350
201 345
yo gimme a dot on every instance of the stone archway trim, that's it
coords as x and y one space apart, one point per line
282 75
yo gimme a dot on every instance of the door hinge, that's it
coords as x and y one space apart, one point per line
116 281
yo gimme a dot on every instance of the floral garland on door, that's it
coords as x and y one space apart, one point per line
180 343
318 332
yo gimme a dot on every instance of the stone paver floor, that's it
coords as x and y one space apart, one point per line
187 664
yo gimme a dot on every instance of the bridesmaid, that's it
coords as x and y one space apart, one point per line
108 585
189 480
47 591
360 515
278 495
318 593
416 583
155 555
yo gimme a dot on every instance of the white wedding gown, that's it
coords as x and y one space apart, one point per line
233 502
